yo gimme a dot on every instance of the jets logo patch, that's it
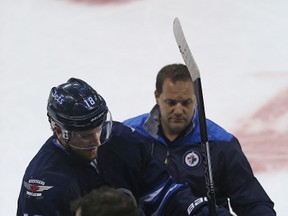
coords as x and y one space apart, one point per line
35 187
192 159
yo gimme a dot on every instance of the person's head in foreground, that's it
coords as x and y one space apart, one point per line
105 201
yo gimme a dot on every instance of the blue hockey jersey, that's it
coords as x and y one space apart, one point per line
233 176
55 177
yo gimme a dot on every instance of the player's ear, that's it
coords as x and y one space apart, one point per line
57 130
156 95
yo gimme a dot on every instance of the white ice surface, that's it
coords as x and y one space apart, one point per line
241 49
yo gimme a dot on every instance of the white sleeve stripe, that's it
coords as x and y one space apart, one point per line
151 196
171 189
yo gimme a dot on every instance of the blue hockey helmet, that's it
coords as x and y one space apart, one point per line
75 106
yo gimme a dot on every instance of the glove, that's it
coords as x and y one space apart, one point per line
220 211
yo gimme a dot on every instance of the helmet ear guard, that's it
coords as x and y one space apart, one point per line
65 133
52 123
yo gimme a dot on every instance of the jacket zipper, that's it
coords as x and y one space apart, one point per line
166 158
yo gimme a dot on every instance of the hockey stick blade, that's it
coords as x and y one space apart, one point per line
195 74
185 50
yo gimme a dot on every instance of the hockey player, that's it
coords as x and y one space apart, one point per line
173 128
86 151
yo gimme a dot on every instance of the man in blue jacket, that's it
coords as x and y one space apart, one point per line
173 129
74 161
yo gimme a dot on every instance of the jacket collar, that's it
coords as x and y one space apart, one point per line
152 123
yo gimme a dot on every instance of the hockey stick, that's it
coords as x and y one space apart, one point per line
195 74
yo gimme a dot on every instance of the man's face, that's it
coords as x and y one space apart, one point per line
82 143
85 143
177 106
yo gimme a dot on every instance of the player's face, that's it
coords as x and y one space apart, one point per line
85 143
177 106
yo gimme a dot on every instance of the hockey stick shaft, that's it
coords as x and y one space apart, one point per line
195 74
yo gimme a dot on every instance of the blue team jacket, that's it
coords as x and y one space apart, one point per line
232 174
54 178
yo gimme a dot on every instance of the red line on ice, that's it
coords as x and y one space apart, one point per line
264 136
92 2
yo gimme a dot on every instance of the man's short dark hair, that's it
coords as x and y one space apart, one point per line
175 72
106 201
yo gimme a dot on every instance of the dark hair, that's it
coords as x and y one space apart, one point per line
106 201
175 72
